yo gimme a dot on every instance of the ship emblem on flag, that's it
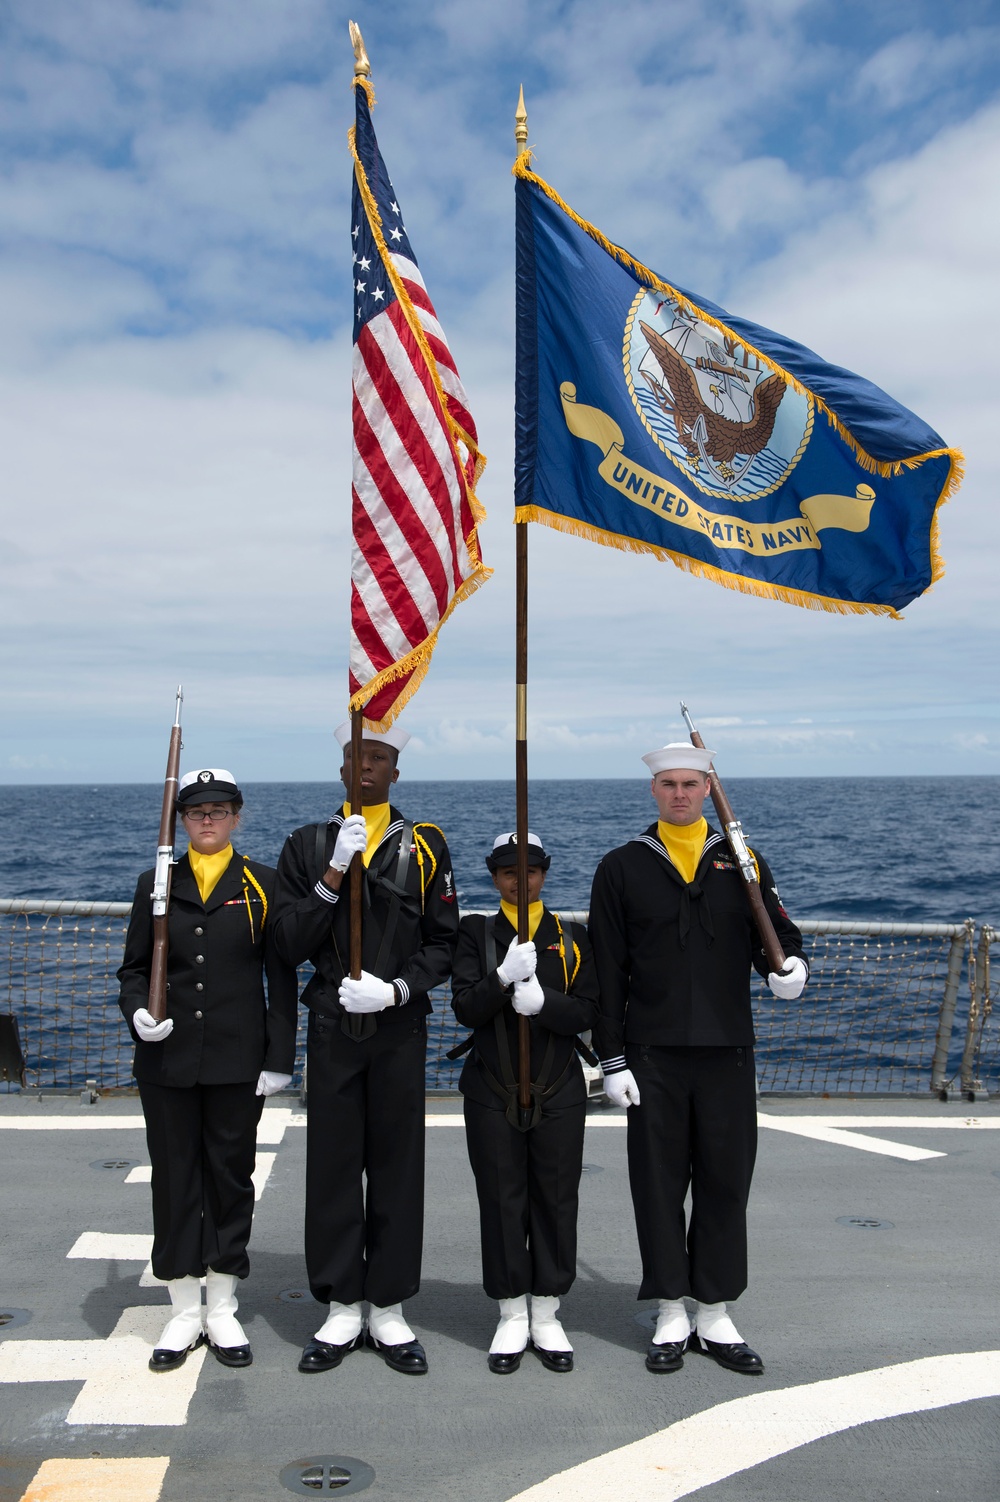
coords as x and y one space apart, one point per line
416 452
652 420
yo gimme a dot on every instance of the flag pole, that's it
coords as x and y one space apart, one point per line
521 737
362 69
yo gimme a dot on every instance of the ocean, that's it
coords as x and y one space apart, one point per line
906 848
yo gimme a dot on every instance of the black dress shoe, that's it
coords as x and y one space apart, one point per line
232 1355
319 1356
163 1360
668 1357
737 1357
408 1357
554 1361
503 1362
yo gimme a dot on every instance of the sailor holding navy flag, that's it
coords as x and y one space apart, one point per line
527 1175
674 941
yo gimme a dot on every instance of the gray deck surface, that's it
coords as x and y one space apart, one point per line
825 1300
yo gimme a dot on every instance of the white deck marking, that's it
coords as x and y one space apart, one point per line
821 1131
141 1174
72 1123
111 1246
271 1130
118 1387
733 1437
262 1172
139 1479
904 1123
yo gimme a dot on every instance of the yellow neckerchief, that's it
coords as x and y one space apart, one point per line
208 869
684 843
377 817
535 911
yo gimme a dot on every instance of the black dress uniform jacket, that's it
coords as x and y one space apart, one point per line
477 997
423 938
673 960
225 1031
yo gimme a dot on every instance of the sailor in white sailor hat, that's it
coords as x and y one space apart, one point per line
674 942
366 1051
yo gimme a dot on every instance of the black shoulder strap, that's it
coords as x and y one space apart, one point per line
491 944
321 860
395 902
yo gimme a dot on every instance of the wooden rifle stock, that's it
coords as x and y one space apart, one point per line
776 957
164 870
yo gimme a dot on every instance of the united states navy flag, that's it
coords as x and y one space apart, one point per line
649 419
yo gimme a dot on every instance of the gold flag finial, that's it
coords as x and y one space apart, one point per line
521 124
362 67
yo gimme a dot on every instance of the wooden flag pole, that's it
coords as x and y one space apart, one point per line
521 740
356 1022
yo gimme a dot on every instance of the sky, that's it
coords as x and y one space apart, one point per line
175 297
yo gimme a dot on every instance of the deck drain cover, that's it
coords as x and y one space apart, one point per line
296 1296
865 1222
593 1168
326 1475
118 1163
11 1318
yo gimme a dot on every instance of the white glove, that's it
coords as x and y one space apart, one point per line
351 841
368 994
621 1088
270 1084
529 997
787 983
149 1030
519 962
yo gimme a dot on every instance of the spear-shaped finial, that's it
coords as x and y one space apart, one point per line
521 124
362 67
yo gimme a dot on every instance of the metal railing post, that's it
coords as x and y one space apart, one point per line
979 1009
946 1019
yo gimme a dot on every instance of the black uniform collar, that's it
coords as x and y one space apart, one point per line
651 837
396 822
546 934
229 885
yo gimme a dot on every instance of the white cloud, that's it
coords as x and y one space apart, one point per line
174 383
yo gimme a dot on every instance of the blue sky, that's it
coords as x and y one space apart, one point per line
175 365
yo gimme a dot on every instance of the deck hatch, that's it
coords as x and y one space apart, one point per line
326 1475
865 1223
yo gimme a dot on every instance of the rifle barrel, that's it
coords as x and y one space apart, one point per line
776 956
164 869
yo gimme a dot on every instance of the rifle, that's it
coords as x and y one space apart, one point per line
776 957
164 870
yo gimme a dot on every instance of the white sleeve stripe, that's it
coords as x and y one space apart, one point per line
328 895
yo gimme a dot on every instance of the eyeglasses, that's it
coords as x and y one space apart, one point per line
215 814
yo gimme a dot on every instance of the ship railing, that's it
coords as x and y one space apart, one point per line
890 1008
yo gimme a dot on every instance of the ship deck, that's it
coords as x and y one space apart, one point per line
873 1227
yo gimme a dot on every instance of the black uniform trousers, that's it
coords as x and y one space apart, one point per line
365 1117
697 1127
528 1185
202 1143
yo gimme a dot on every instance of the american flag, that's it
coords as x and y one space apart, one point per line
416 454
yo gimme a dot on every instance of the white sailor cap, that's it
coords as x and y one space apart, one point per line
677 756
208 785
394 736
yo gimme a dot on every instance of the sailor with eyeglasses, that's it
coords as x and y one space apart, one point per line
204 1071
